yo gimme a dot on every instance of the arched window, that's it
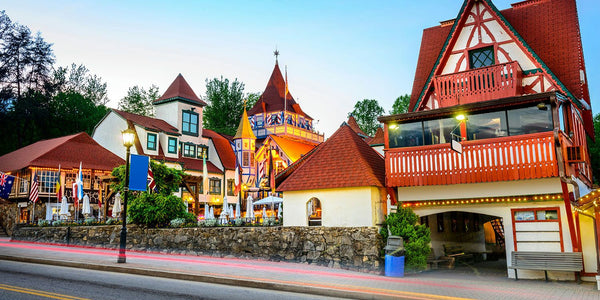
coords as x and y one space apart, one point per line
313 211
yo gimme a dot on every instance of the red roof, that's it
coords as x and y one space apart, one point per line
273 98
180 90
549 27
223 147
67 151
148 122
344 160
354 125
378 139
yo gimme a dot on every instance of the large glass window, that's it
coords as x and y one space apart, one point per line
189 124
172 145
486 125
406 135
529 120
481 57
189 150
439 131
151 143
47 181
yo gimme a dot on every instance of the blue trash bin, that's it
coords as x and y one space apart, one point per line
394 266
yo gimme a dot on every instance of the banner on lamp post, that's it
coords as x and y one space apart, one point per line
138 172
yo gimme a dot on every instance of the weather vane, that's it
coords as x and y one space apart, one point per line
276 53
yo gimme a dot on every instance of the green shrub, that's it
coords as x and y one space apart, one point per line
155 210
177 222
43 223
416 237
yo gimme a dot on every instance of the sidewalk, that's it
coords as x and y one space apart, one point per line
300 278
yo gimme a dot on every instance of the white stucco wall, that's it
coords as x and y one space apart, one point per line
108 133
344 207
475 190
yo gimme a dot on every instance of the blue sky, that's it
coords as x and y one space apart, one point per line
336 52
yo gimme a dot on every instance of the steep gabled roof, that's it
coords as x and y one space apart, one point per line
223 147
273 98
67 151
244 130
180 90
549 27
344 160
149 123
378 139
354 125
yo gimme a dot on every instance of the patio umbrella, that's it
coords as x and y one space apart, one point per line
249 208
225 205
211 214
231 212
86 210
279 211
264 213
269 200
237 210
64 208
117 206
206 211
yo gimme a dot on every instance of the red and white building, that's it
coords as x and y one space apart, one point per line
492 153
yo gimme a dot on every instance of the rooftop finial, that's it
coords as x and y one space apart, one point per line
276 53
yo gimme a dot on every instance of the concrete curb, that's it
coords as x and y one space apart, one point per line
329 291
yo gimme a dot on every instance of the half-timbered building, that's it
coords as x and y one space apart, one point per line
492 153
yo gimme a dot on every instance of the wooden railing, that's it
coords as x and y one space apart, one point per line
493 82
499 159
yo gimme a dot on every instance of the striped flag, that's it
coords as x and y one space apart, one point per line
34 192
151 182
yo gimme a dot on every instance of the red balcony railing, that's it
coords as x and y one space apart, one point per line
494 82
499 159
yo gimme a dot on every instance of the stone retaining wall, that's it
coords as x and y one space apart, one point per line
354 248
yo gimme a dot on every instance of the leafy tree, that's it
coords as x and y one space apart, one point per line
416 237
594 147
139 100
251 99
366 112
77 79
36 103
225 105
400 106
155 209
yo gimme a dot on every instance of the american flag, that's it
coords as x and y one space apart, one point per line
34 193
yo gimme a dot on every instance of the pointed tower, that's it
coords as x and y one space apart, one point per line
244 148
180 107
276 112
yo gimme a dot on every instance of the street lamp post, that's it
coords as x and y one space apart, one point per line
128 139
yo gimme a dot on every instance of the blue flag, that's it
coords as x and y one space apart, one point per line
138 172
6 183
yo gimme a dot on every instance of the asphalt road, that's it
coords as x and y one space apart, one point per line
34 281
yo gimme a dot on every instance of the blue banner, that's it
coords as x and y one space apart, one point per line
138 172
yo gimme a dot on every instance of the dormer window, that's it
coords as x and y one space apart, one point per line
202 151
151 143
172 147
481 57
189 123
189 150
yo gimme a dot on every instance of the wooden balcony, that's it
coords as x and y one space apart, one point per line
500 159
493 82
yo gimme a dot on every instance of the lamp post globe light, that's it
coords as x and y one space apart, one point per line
128 139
